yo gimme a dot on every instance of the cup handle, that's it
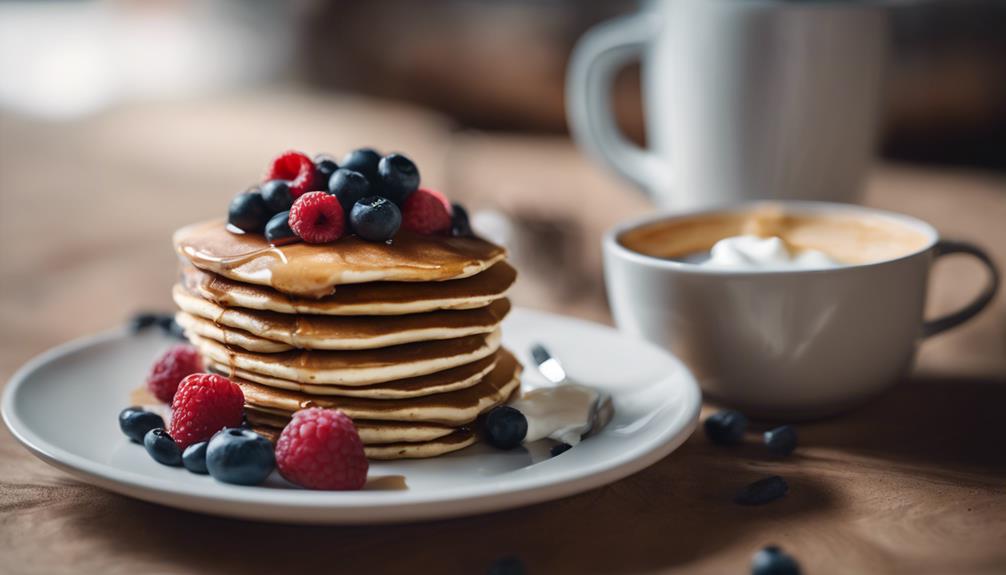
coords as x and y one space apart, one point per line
951 320
598 56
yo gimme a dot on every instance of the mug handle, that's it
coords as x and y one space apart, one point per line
598 56
951 320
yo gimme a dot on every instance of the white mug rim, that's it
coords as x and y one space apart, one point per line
615 247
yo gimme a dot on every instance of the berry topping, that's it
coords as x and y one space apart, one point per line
324 167
762 491
204 404
781 440
505 427
375 219
295 167
774 561
162 448
320 449
460 225
240 456
349 186
194 458
278 231
398 177
248 212
277 195
135 423
426 212
363 160
317 218
726 427
169 370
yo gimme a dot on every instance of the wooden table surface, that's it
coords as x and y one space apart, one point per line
914 482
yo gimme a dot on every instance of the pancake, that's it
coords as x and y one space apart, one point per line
453 408
458 439
314 270
353 367
345 332
370 431
244 340
452 379
375 298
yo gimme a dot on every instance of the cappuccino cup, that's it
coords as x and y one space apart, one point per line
787 309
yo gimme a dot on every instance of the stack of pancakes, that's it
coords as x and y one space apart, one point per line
403 337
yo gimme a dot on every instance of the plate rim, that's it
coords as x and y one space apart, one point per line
325 507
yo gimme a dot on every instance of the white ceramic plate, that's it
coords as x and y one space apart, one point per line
63 406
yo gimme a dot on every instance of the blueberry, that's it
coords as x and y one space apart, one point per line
324 167
781 440
143 320
349 186
375 219
194 458
170 327
248 212
762 491
398 177
507 566
364 160
505 427
773 561
726 427
240 456
278 231
560 449
277 195
135 422
162 447
460 226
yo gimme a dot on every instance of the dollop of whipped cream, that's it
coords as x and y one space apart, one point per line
564 412
754 252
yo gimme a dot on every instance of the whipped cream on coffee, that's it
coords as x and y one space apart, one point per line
754 252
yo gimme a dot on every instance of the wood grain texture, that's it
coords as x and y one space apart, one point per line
914 482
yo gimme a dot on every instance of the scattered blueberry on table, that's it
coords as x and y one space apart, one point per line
726 427
505 427
773 561
762 491
507 566
781 440
135 422
162 447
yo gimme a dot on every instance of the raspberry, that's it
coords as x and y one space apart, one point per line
204 404
317 218
295 167
426 212
320 449
169 370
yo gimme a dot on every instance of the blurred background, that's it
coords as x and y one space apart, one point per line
121 120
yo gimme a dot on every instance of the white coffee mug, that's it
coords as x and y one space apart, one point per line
743 99
788 344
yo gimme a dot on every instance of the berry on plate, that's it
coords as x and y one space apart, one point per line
363 160
194 458
248 212
240 456
135 422
505 427
349 186
169 370
278 232
204 404
277 195
398 177
426 212
317 218
375 219
461 227
295 167
321 449
324 167
162 447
